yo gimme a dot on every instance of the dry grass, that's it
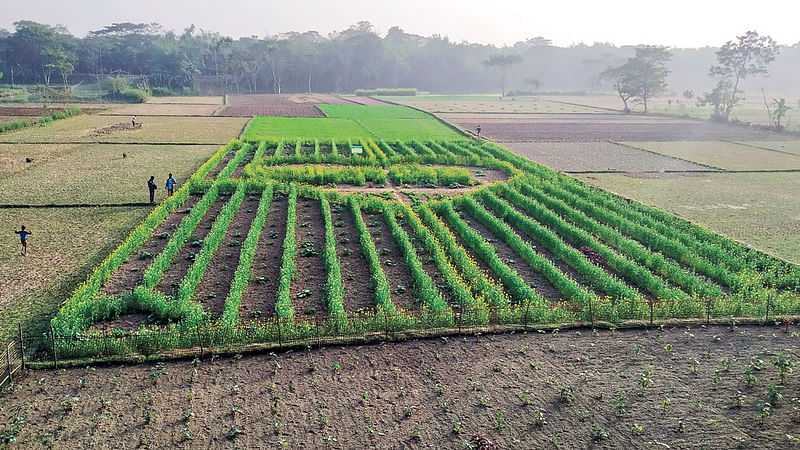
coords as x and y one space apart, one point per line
12 156
723 155
97 174
166 109
792 147
218 130
62 250
758 209
490 104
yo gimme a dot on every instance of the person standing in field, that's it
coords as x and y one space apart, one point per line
478 130
133 122
23 237
170 185
151 184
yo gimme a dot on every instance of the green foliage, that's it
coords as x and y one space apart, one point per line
42 121
133 96
283 305
334 291
320 175
378 279
294 128
421 175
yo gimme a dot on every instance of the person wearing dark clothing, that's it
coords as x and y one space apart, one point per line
151 184
479 130
171 185
23 237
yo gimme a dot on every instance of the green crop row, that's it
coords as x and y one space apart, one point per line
578 237
316 147
283 304
593 275
154 272
568 287
440 176
644 235
211 243
378 279
334 291
637 252
387 149
319 175
237 159
516 286
423 286
243 274
42 121
456 285
279 149
421 149
483 289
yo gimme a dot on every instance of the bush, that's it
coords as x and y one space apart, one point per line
116 85
133 96
386 91
160 91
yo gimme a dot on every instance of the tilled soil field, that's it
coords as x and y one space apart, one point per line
577 389
282 105
29 111
599 156
614 129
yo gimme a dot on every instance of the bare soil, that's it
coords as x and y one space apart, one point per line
307 289
221 165
126 322
216 282
392 261
427 262
258 299
601 127
358 294
184 259
430 393
129 274
111 129
506 254
247 158
370 101
283 105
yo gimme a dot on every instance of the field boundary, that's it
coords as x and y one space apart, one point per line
760 148
112 143
50 350
578 172
662 154
77 205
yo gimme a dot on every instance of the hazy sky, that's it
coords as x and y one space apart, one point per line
683 23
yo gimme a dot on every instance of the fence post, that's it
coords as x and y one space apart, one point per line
280 341
8 363
708 311
591 312
460 317
652 302
55 356
766 319
21 346
527 309
105 338
199 340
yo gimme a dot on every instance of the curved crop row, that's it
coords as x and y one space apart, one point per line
594 276
283 304
234 162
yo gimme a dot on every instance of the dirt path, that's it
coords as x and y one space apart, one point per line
216 282
258 299
392 261
358 294
185 258
307 289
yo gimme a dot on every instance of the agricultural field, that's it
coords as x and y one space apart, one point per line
723 155
540 247
283 127
111 129
601 156
165 109
759 209
280 105
491 104
683 387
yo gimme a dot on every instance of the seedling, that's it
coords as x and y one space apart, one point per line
566 394
598 433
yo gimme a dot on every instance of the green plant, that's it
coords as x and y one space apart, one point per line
598 433
566 394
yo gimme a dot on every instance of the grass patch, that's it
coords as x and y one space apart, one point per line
97 174
410 129
359 112
277 128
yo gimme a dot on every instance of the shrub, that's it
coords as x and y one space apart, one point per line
133 96
160 91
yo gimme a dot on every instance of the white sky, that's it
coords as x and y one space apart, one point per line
680 23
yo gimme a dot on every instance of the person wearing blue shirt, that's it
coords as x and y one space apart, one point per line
23 237
171 185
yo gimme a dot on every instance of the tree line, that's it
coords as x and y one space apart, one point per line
347 60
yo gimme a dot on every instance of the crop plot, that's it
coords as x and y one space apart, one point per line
292 238
492 105
165 109
723 155
278 105
599 156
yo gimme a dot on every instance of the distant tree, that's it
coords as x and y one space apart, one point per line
776 110
534 82
688 94
503 62
719 99
748 55
642 76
